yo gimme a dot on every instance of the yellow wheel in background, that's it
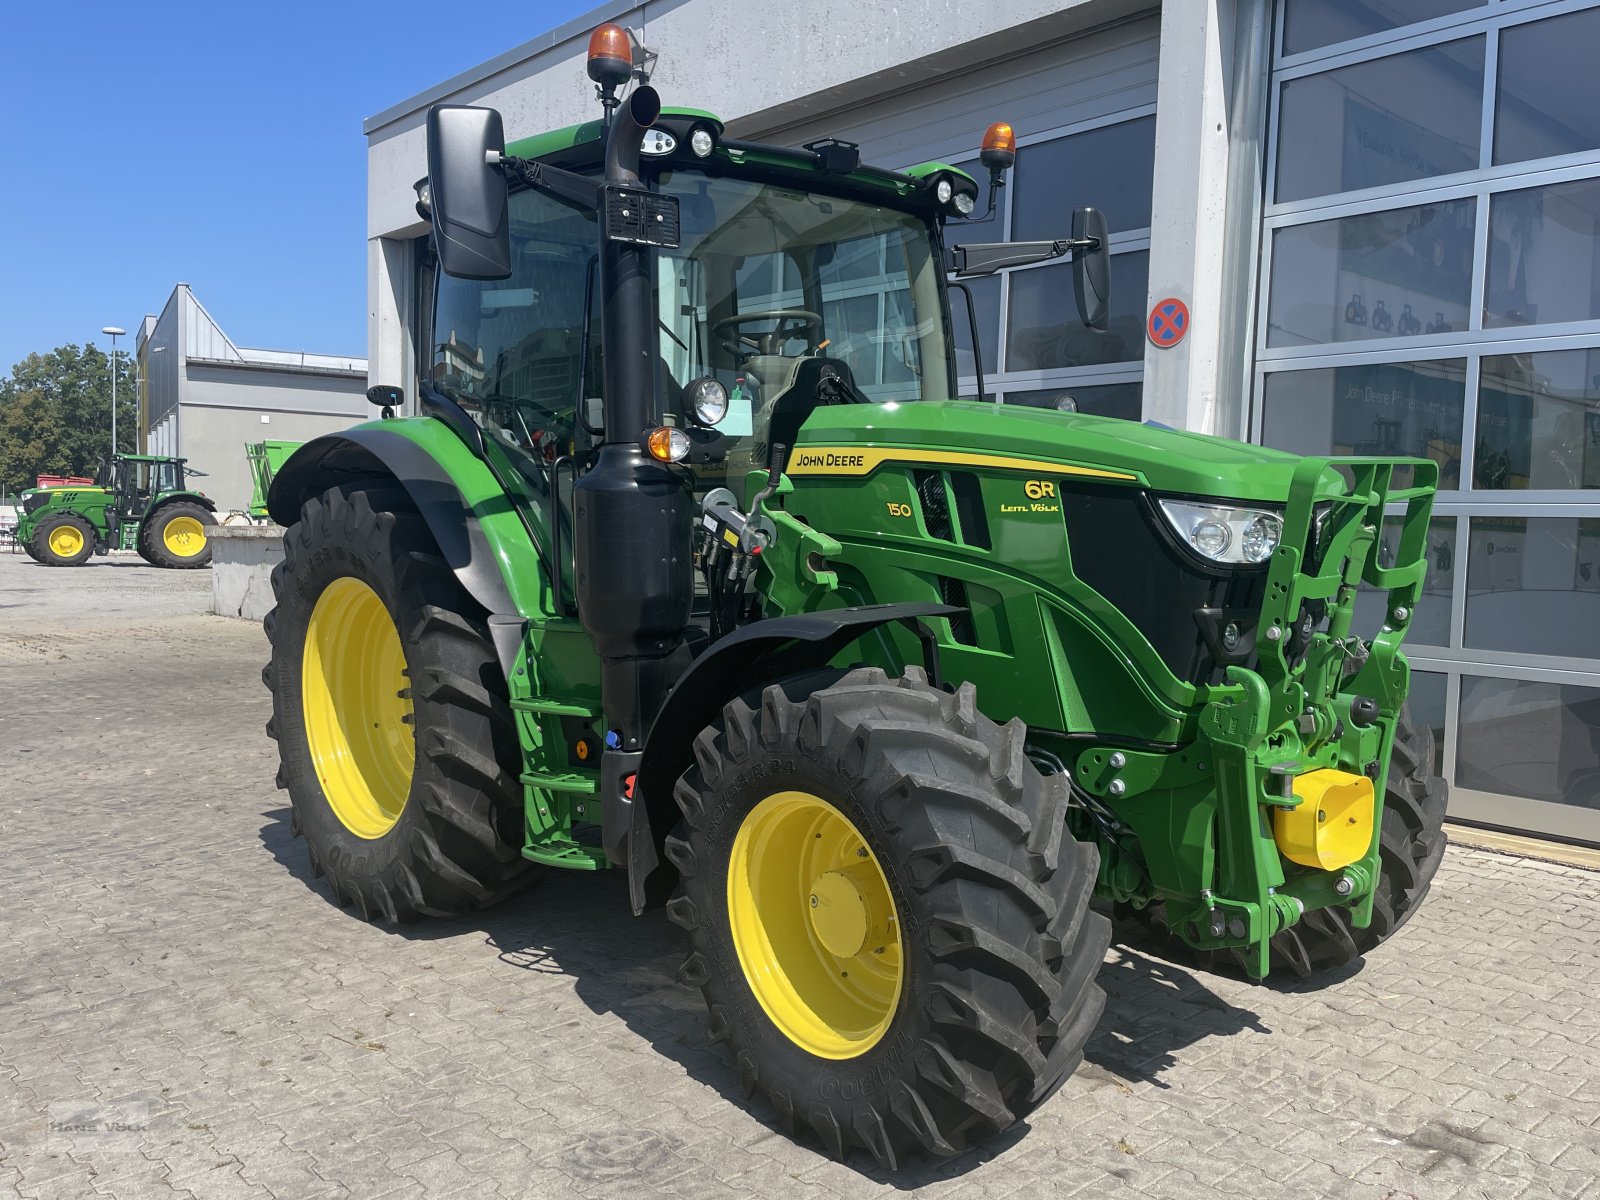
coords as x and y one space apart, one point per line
814 925
357 718
65 540
184 537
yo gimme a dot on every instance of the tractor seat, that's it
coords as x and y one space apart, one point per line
814 381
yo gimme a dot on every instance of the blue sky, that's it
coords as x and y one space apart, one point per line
218 144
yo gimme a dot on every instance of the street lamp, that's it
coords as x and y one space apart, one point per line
114 333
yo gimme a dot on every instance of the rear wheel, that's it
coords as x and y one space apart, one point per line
395 736
888 921
62 541
175 535
1411 846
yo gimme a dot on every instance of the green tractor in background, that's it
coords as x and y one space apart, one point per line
137 502
882 687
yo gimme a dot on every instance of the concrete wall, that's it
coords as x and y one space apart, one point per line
242 558
214 437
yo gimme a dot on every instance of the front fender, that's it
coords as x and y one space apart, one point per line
472 518
759 653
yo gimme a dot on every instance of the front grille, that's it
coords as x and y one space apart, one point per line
1122 548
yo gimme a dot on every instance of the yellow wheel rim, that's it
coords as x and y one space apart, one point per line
814 925
357 720
184 536
66 540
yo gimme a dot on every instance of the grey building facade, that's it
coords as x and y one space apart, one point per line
1383 216
202 397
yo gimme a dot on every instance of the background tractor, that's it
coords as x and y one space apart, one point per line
137 502
882 687
264 460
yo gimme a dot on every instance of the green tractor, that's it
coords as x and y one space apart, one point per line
137 502
886 695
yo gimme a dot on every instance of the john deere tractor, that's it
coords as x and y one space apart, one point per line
692 566
137 502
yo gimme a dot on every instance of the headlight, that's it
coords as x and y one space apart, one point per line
945 190
701 142
706 401
965 203
1223 533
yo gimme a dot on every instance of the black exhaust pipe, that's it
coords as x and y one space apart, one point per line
633 519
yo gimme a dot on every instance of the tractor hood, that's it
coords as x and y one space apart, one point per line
976 434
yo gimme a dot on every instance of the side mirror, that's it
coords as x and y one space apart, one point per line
467 191
1091 269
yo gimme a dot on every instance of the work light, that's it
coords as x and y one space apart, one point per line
702 143
706 400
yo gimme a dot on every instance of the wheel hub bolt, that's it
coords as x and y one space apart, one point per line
813 900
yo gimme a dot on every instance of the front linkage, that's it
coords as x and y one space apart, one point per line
1274 810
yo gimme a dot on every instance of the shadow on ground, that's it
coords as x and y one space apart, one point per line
579 924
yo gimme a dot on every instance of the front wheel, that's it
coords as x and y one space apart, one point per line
395 734
888 920
176 536
62 541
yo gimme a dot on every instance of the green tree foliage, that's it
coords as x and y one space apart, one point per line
55 414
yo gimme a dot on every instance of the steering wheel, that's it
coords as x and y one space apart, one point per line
801 319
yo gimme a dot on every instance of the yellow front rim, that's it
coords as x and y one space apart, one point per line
184 536
814 925
355 698
66 540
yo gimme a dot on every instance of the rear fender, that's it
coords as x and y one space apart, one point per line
471 517
759 653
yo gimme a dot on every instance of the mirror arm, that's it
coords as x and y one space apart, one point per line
578 191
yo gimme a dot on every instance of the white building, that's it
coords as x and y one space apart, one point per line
1383 216
203 397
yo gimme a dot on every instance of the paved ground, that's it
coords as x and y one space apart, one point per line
168 964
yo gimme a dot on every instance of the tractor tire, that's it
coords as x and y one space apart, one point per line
1410 847
174 536
852 824
395 735
65 540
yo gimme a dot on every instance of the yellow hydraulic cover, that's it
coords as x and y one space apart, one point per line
1332 826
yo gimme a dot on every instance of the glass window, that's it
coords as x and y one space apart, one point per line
1544 255
1124 400
1539 421
1426 705
1430 626
1533 585
1111 168
1547 94
1388 120
508 350
1538 740
1308 24
1397 273
1411 409
1044 332
985 294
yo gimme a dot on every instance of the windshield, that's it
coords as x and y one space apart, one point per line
789 298
775 292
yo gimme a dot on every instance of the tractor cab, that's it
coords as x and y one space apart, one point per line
135 480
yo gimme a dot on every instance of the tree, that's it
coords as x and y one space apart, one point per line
55 413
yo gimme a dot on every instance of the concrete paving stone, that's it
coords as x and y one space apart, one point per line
543 1048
